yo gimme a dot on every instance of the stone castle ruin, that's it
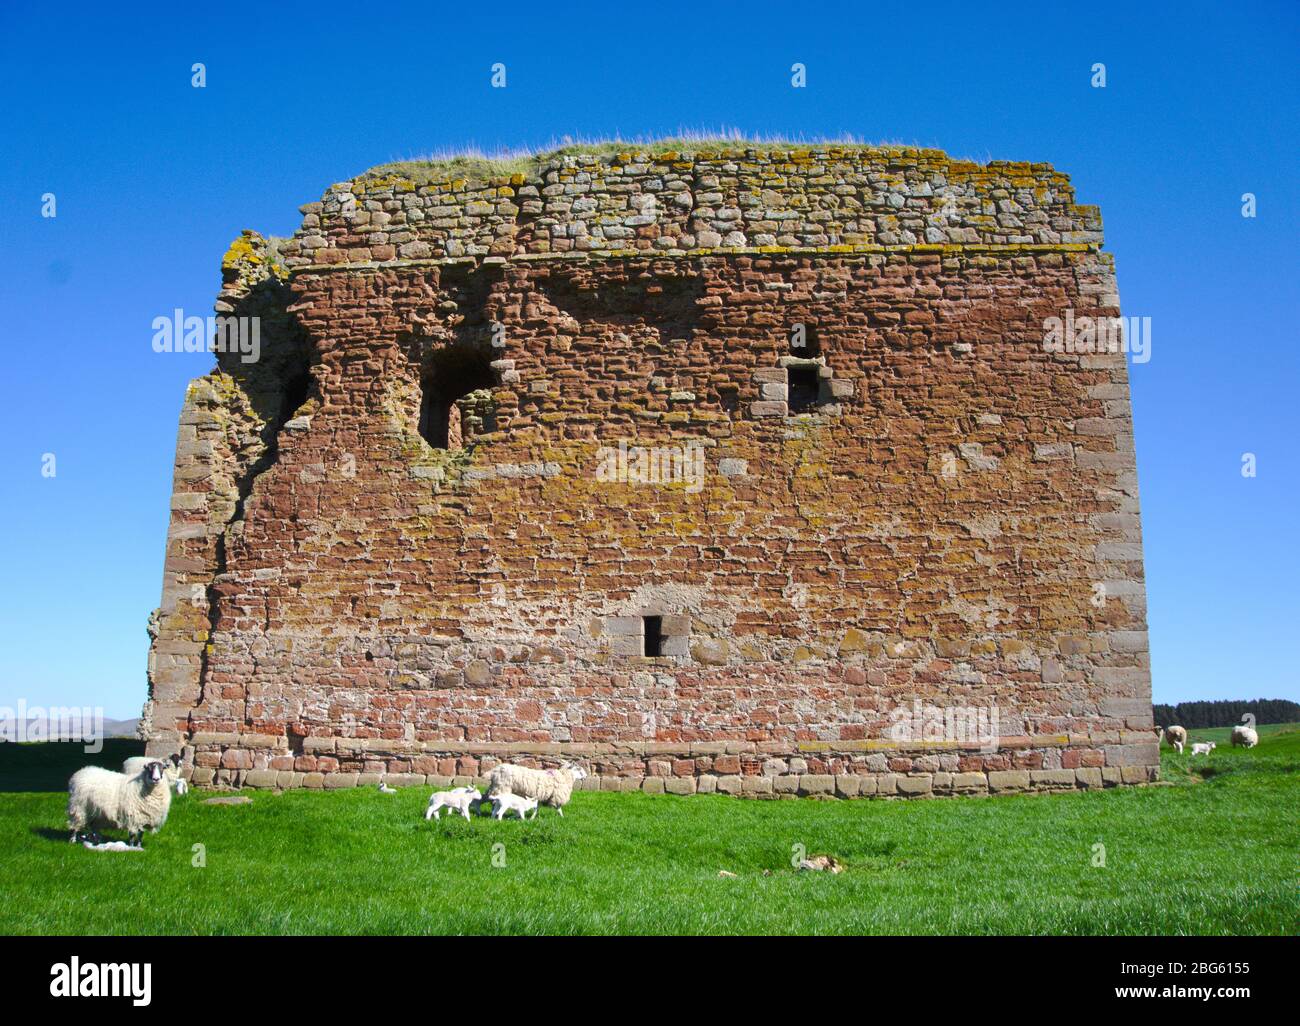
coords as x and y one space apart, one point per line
744 470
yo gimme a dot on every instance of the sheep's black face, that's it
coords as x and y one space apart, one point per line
155 772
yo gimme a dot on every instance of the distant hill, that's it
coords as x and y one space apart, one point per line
41 728
121 728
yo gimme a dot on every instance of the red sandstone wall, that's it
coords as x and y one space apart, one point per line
956 522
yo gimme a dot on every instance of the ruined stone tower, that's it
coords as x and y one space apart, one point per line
707 469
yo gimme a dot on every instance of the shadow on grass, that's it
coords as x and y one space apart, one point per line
50 834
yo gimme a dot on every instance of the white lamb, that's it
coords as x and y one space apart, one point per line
552 787
1203 747
503 803
99 797
1177 737
171 769
1244 737
459 799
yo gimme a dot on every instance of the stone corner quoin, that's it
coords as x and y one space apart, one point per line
706 469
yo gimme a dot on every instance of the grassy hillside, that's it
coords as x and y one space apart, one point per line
1212 852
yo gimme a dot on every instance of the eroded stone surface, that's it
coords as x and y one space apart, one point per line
953 518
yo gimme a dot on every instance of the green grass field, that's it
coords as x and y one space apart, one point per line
1214 852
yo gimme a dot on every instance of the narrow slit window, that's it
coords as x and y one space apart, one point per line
804 388
654 635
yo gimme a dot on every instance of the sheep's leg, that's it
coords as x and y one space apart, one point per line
560 810
464 811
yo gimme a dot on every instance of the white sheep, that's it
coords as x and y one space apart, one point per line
552 787
1177 737
460 799
171 769
503 803
1203 747
99 797
1244 737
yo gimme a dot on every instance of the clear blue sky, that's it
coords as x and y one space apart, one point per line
153 179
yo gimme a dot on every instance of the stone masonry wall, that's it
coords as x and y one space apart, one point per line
952 520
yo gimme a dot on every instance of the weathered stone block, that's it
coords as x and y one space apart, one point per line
261 778
969 782
1146 753
1009 780
1088 777
848 786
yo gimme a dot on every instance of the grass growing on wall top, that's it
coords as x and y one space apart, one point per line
1214 853
477 165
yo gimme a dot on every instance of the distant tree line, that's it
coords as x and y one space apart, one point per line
1196 715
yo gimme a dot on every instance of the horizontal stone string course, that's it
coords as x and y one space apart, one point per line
400 546
630 254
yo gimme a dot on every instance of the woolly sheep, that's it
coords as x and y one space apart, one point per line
460 799
171 769
1177 737
503 803
99 797
1244 737
550 787
1203 747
